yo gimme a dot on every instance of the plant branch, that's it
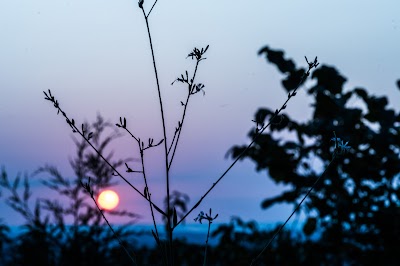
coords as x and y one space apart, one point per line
311 65
164 134
148 14
147 193
205 249
71 123
190 87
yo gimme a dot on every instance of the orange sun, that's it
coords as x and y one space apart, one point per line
108 199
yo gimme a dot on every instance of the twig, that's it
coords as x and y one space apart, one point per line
148 14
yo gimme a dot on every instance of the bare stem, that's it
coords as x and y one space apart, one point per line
151 9
149 195
205 250
165 138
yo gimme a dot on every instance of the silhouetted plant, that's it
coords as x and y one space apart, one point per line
356 206
171 217
339 149
69 231
210 219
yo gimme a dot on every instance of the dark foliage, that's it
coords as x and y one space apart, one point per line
356 206
69 229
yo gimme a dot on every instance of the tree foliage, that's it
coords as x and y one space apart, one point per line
68 229
356 206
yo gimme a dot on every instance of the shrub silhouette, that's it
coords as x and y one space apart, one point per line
356 204
70 231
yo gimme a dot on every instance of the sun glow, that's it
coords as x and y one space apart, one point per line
108 199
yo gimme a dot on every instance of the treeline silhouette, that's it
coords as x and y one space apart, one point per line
356 206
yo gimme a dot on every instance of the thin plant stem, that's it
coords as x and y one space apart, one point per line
184 112
169 231
115 234
148 191
149 195
173 141
148 14
205 250
141 151
287 220
305 75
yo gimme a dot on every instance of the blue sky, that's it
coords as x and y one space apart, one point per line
94 56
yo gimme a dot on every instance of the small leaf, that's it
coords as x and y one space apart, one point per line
158 209
16 182
129 170
37 210
27 193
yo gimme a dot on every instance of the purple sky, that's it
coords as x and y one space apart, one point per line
94 56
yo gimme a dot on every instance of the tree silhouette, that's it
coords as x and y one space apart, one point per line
356 205
69 229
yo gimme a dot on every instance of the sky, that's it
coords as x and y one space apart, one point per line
95 57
